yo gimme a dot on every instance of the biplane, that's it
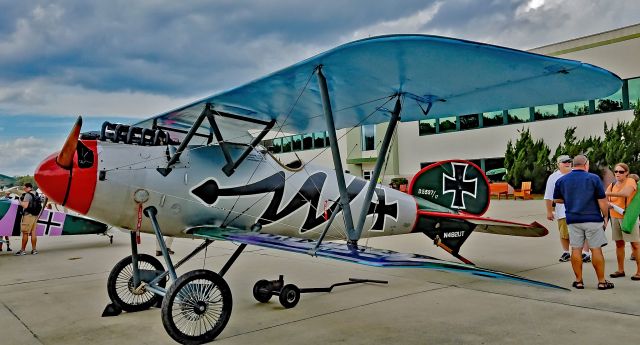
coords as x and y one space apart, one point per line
199 171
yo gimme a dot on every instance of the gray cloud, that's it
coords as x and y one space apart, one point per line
195 47
140 58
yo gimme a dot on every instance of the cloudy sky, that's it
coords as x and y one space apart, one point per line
127 60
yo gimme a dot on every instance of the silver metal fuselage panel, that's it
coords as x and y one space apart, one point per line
198 193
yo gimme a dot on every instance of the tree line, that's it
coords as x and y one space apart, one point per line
530 160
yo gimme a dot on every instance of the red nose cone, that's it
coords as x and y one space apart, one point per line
52 179
70 188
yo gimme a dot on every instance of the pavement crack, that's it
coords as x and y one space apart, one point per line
546 301
334 312
22 322
50 279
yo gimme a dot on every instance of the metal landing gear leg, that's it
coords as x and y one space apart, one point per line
124 282
197 306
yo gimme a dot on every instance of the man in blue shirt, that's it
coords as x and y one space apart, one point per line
587 214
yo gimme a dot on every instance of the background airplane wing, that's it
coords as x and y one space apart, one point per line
49 223
365 256
451 76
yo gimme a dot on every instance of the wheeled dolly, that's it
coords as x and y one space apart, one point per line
289 294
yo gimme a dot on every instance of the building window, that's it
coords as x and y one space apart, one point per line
427 127
634 92
518 115
469 122
366 174
318 140
576 108
493 163
268 144
297 142
368 137
286 144
545 112
611 103
277 145
307 141
492 118
447 124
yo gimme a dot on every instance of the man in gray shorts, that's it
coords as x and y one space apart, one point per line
587 211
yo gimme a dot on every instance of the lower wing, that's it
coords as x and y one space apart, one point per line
364 255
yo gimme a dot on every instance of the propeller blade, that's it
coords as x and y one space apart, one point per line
65 157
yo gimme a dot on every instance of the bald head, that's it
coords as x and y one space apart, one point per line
580 162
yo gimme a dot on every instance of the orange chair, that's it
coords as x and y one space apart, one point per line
499 189
403 188
524 192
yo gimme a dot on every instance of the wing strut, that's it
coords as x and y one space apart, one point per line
208 113
373 182
337 162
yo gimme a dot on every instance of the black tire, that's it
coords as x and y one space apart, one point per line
262 291
197 307
120 284
289 296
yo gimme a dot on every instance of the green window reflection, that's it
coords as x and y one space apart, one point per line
576 108
307 141
277 145
545 112
447 124
318 140
469 122
518 115
286 144
297 142
426 127
634 92
611 103
492 118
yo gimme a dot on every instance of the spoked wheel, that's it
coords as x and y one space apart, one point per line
262 291
120 283
197 307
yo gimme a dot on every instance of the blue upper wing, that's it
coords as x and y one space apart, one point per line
455 76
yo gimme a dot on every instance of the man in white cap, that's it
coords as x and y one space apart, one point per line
564 166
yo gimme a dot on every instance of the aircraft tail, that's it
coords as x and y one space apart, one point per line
457 185
446 193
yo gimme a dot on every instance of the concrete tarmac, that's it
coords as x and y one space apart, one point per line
57 296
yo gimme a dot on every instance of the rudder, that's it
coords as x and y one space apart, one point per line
455 184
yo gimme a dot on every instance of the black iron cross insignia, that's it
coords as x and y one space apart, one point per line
49 223
459 185
381 210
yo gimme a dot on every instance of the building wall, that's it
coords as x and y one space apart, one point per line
492 142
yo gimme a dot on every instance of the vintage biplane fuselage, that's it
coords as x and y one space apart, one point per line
281 200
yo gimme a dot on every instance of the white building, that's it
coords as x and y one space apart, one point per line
482 138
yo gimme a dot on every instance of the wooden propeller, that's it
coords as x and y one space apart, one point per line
65 157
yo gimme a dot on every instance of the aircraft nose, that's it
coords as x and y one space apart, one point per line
52 179
73 188
67 179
